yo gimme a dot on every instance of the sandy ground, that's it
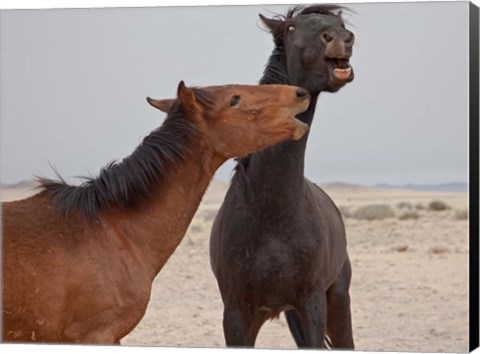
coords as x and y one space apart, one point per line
409 289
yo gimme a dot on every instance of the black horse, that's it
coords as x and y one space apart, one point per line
278 242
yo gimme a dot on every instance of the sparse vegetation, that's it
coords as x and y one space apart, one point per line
409 215
461 214
345 211
400 248
206 214
420 206
438 250
374 212
194 227
404 205
438 205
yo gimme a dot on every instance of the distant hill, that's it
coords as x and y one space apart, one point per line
344 187
223 186
25 184
442 187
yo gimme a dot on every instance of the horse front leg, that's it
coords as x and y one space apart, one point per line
339 319
313 315
240 326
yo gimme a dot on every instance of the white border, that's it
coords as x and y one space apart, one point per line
46 4
50 4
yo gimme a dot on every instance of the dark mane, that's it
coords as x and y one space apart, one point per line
127 183
275 71
322 9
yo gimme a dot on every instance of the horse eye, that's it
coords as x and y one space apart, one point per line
291 28
235 101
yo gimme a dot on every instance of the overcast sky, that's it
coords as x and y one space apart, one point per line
74 82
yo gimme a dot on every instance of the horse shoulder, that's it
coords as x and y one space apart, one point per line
83 272
33 270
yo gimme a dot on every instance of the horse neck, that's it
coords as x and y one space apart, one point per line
279 170
157 228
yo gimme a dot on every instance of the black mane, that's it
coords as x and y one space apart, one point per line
323 9
127 183
275 71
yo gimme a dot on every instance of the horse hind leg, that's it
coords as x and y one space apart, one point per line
339 320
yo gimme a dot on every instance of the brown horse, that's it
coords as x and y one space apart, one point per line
79 261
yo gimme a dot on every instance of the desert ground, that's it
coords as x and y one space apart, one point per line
409 289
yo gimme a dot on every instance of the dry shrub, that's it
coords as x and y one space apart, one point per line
461 214
346 212
409 215
374 212
400 248
438 250
420 206
438 205
404 205
207 214
196 227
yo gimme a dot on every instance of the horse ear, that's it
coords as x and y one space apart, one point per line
162 105
187 99
271 23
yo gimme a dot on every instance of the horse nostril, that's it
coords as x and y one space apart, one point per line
327 37
350 38
302 94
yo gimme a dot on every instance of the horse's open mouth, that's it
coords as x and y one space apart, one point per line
341 68
300 129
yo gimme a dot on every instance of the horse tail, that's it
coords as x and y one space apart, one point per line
295 326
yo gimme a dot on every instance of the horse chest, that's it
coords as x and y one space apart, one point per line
272 256
276 260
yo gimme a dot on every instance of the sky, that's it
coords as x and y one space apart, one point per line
73 84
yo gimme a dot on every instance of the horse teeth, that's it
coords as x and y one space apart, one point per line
342 74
